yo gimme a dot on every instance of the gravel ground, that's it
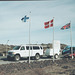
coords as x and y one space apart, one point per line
47 67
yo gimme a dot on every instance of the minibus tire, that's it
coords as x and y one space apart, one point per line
17 57
37 56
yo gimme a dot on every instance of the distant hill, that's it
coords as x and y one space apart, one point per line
3 47
9 47
62 46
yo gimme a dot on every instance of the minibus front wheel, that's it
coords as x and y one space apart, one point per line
17 57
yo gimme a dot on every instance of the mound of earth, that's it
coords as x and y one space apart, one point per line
48 67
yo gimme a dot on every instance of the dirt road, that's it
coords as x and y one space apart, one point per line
3 60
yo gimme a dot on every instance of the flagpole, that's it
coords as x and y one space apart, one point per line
53 39
71 39
29 35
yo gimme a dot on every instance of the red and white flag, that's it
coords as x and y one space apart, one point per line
48 24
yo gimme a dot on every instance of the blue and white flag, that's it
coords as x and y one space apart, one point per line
24 19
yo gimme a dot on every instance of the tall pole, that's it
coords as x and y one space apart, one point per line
53 39
71 39
6 47
29 35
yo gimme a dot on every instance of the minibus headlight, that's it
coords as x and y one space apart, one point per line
13 53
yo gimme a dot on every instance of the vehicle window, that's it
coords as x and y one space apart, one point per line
36 47
16 48
30 48
73 49
67 48
27 47
67 51
22 48
41 47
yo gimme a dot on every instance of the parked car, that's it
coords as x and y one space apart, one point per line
23 51
67 51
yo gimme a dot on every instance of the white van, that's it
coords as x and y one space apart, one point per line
23 51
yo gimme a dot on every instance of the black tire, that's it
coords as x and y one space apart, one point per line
56 56
37 56
17 57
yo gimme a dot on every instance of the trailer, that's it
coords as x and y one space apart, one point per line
49 51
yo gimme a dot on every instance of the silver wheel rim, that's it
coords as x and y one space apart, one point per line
17 58
37 56
56 56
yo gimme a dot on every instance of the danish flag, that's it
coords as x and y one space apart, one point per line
48 24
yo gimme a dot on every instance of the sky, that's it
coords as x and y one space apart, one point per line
17 32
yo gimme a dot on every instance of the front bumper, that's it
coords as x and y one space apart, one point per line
12 55
66 55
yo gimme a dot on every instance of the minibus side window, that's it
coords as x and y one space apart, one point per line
36 47
27 47
22 48
41 47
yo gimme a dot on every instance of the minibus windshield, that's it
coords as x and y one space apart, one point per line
16 48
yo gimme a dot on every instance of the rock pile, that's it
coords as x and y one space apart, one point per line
15 67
